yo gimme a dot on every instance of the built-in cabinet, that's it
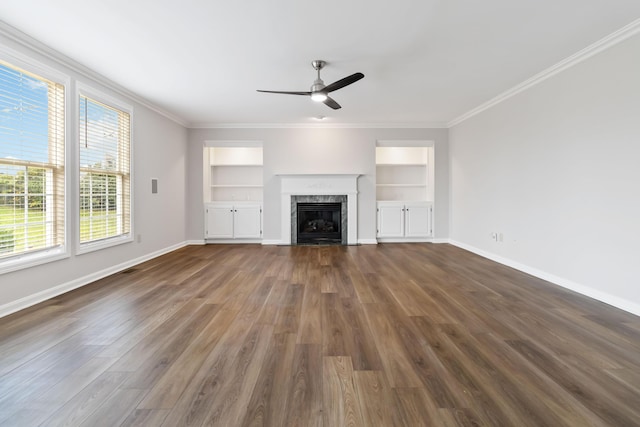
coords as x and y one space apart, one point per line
410 220
404 191
233 221
233 192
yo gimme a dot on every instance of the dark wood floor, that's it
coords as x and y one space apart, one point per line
245 335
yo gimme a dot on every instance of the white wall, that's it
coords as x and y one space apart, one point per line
556 169
318 150
159 151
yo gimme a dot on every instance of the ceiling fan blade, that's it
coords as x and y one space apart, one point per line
284 92
331 103
343 82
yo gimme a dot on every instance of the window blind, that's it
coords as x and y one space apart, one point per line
31 162
105 177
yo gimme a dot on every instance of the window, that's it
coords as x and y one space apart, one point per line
32 175
105 176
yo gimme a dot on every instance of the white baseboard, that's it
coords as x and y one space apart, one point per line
195 242
440 241
613 300
404 240
232 241
367 241
39 297
271 242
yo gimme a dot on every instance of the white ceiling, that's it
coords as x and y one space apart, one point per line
425 61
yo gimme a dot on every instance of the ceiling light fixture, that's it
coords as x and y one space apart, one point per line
319 96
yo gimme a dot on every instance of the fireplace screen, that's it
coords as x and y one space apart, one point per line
319 223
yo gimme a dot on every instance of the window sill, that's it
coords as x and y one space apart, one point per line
84 248
20 262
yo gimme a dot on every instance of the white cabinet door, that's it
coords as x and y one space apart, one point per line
417 220
247 221
390 220
219 221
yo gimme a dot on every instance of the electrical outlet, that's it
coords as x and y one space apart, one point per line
494 236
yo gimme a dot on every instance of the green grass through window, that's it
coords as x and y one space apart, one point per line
31 236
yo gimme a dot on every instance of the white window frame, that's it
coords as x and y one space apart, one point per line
88 91
32 259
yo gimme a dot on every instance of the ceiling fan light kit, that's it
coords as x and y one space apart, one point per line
318 96
319 92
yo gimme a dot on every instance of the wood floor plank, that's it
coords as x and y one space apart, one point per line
114 409
372 335
304 396
268 401
334 327
361 286
415 408
565 408
15 354
156 363
44 370
158 339
397 365
512 400
358 338
327 280
34 408
145 418
410 297
374 395
236 389
310 329
85 403
597 399
339 393
167 390
289 311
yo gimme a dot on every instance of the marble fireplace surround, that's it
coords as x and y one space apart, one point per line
319 185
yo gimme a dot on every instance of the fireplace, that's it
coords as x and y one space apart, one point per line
318 188
319 219
319 223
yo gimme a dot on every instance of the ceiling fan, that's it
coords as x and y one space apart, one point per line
319 92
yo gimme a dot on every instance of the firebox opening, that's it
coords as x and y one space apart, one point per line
319 223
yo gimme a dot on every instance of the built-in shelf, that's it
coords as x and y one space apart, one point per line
233 174
402 173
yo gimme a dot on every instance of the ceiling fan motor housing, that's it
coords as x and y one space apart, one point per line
318 84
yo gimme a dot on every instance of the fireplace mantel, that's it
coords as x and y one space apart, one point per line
319 184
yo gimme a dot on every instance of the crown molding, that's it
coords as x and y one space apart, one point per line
40 48
426 125
605 43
